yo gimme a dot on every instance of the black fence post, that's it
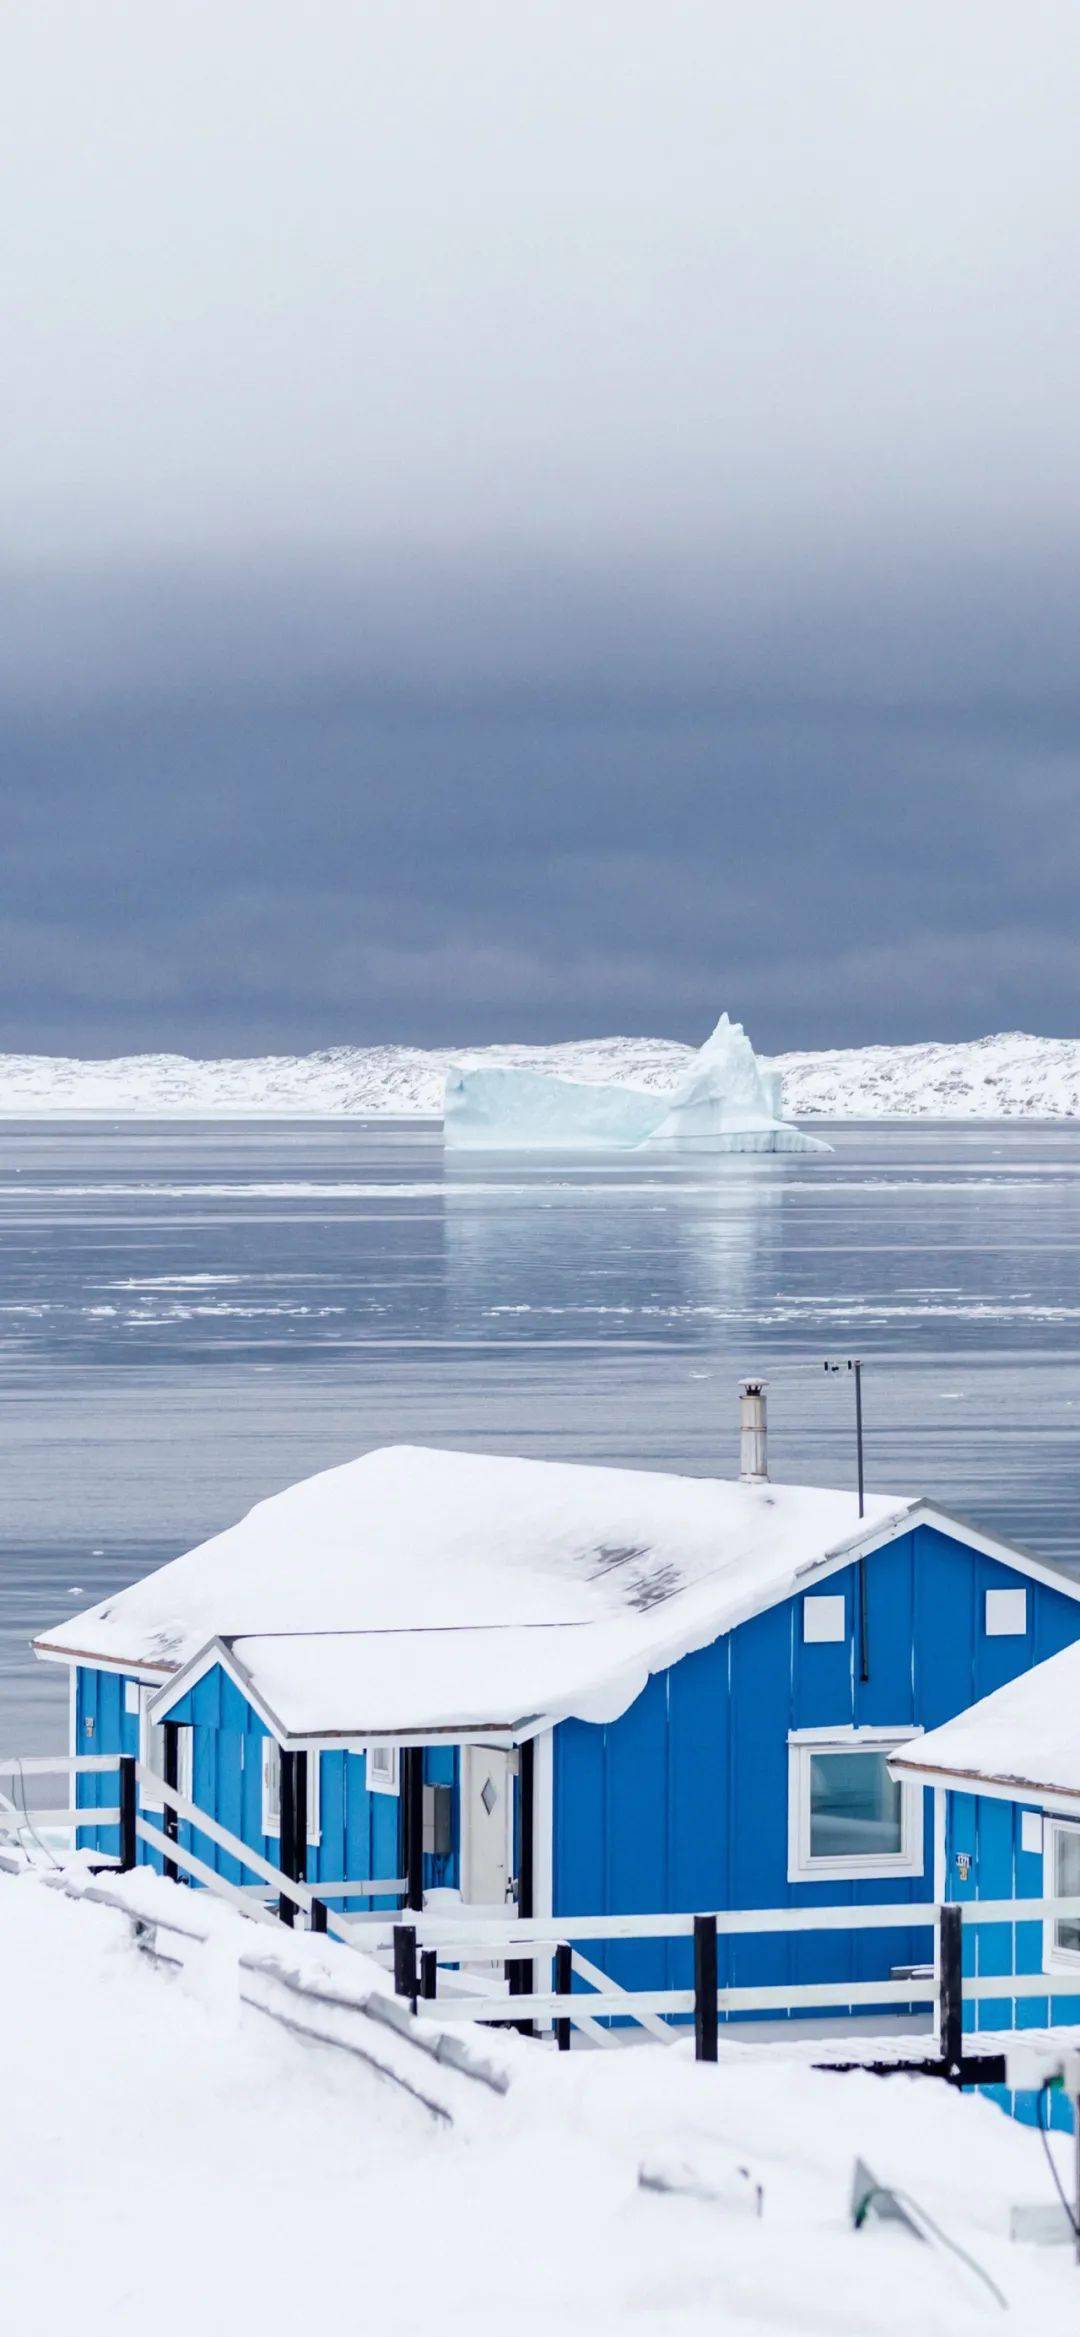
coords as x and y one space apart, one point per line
170 1823
287 1837
518 1973
525 1981
429 1974
564 1980
318 1915
951 1990
706 2013
405 1973
412 1825
127 1812
300 1817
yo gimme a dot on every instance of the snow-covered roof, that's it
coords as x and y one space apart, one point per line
427 1589
1024 1737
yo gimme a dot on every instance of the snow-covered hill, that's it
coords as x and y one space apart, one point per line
1011 1076
170 2158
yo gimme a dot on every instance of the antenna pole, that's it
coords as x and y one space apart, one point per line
854 1365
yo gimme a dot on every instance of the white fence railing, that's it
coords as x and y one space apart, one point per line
433 1950
294 1896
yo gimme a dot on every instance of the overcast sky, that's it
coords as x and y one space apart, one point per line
530 520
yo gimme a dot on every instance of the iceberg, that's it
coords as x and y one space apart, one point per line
725 1102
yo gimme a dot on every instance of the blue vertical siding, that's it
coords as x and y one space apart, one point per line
358 1830
683 1802
987 1831
99 1701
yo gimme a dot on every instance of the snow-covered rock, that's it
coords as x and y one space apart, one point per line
723 1103
1011 1076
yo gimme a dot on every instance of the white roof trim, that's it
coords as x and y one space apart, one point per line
1014 1789
218 1653
924 1512
82 1660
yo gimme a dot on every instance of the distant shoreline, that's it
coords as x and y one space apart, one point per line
1011 1076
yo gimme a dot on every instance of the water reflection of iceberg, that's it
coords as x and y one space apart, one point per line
622 1255
724 1103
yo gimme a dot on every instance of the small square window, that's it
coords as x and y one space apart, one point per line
382 1769
1031 1832
824 1619
1006 1614
132 1696
846 1815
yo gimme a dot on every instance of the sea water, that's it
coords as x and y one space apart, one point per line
194 1315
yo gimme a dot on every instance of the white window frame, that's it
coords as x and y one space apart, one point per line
1055 1958
910 1859
185 1754
271 1786
270 1813
390 1781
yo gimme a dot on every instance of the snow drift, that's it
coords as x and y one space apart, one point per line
725 1102
169 2157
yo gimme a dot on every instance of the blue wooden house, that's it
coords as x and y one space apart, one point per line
572 1690
1003 1781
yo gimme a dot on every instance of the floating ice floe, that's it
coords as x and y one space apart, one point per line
725 1102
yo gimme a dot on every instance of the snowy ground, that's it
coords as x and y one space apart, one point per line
1010 1076
170 2158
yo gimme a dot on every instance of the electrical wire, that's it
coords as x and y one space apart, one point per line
889 2191
1040 2121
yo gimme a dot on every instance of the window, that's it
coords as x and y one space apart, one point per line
382 1769
1031 1832
846 1815
271 1790
271 1786
824 1618
1006 1614
152 1753
1061 1880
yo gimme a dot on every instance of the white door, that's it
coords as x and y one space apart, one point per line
487 1825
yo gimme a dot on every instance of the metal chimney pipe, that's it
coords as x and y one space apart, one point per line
753 1449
